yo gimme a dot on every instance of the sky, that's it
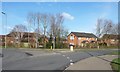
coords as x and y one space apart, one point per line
79 16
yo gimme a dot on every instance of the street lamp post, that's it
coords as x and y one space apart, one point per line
6 24
53 42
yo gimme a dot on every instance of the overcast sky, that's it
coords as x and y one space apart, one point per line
79 16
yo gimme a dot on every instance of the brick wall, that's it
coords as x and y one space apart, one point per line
72 41
78 40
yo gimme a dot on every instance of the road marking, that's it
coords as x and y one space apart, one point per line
68 58
64 55
71 63
44 55
66 69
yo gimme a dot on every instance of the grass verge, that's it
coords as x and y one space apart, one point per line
115 53
115 64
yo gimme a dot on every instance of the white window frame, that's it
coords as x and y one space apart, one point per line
79 38
72 43
72 37
87 38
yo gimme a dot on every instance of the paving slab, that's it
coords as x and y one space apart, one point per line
94 63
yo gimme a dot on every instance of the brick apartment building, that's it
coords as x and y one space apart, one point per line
79 38
110 39
12 39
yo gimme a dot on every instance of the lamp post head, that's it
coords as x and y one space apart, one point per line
3 13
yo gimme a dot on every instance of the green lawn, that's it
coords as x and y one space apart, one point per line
116 64
115 53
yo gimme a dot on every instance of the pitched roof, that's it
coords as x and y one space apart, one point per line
2 36
81 34
110 36
25 34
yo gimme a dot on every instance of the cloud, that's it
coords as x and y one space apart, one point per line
103 15
25 22
67 16
10 28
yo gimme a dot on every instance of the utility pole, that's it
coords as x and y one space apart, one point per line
45 26
6 25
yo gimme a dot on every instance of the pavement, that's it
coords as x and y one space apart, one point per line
94 63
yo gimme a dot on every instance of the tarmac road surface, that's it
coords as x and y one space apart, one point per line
17 59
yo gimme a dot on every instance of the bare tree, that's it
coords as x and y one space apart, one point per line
18 32
64 33
105 26
59 23
38 17
114 29
56 22
98 28
44 21
118 28
32 19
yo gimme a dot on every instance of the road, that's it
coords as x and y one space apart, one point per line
18 59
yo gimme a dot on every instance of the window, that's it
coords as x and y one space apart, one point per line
96 39
87 38
16 37
112 40
71 37
79 38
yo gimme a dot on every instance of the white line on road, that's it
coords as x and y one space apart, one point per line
64 55
71 63
68 58
44 55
